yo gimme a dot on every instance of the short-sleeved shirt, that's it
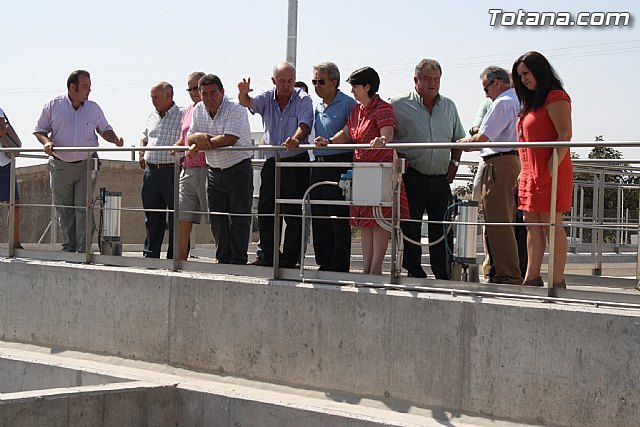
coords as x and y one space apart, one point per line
414 123
230 119
281 124
199 160
499 124
162 132
365 124
332 119
4 159
68 127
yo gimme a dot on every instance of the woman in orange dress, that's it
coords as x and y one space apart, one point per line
545 116
370 122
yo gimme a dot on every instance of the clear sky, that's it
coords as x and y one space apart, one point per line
130 45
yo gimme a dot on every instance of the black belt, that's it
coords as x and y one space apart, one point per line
334 157
241 162
502 153
159 165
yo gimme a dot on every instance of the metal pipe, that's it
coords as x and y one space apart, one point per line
292 31
12 206
552 218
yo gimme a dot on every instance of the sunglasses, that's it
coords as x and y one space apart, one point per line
191 89
320 82
486 88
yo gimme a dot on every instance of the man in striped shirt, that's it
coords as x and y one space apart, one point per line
162 130
219 122
72 120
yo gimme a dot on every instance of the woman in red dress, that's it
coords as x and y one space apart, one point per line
370 122
545 116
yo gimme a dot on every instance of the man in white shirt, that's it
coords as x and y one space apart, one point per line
500 174
219 122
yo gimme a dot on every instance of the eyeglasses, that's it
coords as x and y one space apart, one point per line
320 82
191 89
486 88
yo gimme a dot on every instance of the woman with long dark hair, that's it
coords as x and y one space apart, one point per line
545 116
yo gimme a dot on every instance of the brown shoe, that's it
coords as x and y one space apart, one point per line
534 282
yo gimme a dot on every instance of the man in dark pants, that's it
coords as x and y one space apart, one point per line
287 114
331 237
423 115
219 122
163 129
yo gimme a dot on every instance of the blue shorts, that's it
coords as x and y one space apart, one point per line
5 176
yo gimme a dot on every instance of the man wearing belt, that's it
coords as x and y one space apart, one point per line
423 115
287 115
219 122
500 174
331 237
72 120
162 130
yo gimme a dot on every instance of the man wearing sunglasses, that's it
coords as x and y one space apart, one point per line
331 237
500 175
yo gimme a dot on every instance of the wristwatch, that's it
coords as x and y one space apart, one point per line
455 162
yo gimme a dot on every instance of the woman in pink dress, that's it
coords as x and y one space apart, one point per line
370 122
545 116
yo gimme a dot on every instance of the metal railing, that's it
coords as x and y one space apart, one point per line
276 272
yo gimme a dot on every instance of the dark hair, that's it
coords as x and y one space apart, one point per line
302 85
366 76
74 77
546 80
210 79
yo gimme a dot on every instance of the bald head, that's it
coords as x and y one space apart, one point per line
162 97
284 78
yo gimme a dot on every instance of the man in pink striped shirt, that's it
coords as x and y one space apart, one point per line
193 178
72 120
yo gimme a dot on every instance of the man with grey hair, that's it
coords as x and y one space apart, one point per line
423 116
287 115
331 237
500 175
162 130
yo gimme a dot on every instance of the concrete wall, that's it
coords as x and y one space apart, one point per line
145 406
529 362
18 376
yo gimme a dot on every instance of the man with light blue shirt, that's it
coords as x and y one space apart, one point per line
287 116
500 174
331 237
423 115
72 120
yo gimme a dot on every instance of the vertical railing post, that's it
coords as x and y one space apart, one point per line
176 212
395 214
573 219
552 219
92 163
620 217
581 230
277 220
599 241
12 205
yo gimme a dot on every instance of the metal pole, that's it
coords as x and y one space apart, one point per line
176 212
581 230
277 220
597 271
395 213
620 215
552 219
573 219
12 205
92 162
292 32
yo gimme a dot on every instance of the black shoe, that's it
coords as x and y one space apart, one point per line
419 274
260 262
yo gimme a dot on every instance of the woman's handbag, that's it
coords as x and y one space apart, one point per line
11 138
